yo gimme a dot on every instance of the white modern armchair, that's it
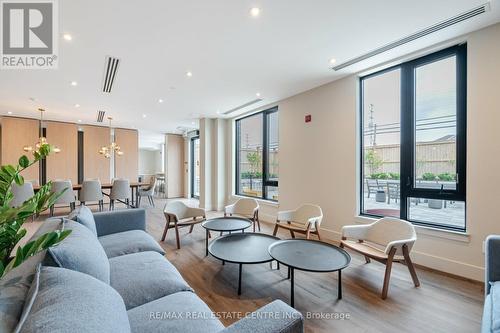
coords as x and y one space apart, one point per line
305 220
386 240
246 207
180 215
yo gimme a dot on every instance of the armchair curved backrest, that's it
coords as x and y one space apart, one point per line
308 213
180 211
245 207
390 231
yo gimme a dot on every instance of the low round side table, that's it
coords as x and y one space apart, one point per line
309 256
224 224
243 248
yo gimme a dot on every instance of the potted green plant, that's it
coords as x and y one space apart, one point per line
12 218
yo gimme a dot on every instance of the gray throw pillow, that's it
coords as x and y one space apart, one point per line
69 301
80 251
84 215
14 288
30 299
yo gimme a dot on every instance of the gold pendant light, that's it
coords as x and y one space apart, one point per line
42 140
113 147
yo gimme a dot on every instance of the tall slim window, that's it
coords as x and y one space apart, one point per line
257 148
414 140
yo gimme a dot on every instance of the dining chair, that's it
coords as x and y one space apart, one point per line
305 220
120 190
91 191
21 193
245 207
386 240
67 197
180 215
148 192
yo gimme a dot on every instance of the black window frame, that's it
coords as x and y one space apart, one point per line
265 153
407 136
192 167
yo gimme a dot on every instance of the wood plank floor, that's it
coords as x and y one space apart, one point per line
441 304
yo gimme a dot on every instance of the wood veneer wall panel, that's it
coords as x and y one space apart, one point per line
63 165
175 166
17 133
127 165
94 164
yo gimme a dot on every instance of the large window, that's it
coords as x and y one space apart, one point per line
414 140
257 150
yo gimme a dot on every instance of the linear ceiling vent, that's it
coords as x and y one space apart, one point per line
242 106
422 33
110 68
100 116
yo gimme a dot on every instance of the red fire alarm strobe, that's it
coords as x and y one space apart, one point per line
308 118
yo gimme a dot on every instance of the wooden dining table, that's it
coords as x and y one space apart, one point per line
134 187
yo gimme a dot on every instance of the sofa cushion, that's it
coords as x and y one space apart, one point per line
143 277
80 251
486 320
179 312
83 215
30 299
69 301
14 288
128 242
495 306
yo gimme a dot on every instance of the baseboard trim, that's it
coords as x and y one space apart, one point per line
425 260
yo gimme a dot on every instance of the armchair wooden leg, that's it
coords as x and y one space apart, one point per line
165 232
275 229
177 235
292 234
308 234
367 259
410 265
258 223
387 276
191 228
317 233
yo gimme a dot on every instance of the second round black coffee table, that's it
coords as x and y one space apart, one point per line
224 224
310 256
242 248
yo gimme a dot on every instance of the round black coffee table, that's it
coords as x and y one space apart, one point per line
224 224
243 248
310 256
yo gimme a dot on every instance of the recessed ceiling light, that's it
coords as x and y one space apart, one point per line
218 111
257 94
189 74
160 100
10 112
77 105
79 120
144 115
333 61
192 123
67 37
74 83
255 11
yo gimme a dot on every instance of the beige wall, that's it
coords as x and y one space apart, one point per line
319 160
174 165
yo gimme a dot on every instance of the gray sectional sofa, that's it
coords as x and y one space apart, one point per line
109 275
491 311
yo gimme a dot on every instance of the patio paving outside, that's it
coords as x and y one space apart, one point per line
453 215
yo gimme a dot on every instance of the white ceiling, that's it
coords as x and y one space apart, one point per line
232 55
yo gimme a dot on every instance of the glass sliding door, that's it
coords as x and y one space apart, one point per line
195 167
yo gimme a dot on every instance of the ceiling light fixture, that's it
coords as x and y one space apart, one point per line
160 100
77 105
257 94
255 11
189 74
10 112
74 83
79 120
113 147
144 116
67 37
333 61
42 141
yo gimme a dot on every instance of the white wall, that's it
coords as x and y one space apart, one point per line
150 161
319 160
